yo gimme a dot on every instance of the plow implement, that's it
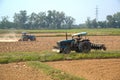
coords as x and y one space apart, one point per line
98 46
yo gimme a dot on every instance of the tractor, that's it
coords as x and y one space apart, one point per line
79 43
26 37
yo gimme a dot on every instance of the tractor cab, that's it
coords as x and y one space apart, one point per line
24 33
80 36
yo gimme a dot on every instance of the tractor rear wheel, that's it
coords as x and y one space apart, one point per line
78 50
85 46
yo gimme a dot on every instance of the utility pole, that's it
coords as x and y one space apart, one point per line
96 13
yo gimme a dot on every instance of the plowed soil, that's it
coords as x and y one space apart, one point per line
100 69
20 71
96 69
47 43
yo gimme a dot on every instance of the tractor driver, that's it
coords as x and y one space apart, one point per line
78 38
24 33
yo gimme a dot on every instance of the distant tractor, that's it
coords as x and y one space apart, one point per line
26 37
78 44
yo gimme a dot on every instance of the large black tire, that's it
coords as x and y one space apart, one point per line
78 50
25 39
33 39
66 50
85 46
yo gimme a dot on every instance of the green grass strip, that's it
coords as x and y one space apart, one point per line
54 56
54 73
100 31
94 55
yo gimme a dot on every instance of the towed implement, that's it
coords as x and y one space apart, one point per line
78 44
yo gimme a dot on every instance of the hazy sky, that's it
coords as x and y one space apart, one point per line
78 9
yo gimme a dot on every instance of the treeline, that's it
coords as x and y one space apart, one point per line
55 20
50 20
112 21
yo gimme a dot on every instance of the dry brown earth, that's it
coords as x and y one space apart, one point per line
96 69
20 71
47 43
100 69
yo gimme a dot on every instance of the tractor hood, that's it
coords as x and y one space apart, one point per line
66 41
63 43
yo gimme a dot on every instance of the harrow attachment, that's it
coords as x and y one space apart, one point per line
98 46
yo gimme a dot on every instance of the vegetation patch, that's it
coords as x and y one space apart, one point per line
53 56
91 32
54 73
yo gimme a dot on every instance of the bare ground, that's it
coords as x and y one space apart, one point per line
47 43
103 69
20 71
96 69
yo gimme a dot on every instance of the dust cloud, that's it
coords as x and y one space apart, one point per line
9 37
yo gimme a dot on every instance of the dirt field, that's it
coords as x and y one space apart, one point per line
20 71
97 69
47 43
100 69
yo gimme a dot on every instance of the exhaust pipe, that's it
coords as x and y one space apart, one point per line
66 36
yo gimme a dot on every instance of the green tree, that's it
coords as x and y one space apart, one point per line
117 20
41 20
32 21
88 23
52 20
69 21
20 19
94 23
56 19
102 24
110 21
60 17
6 24
49 19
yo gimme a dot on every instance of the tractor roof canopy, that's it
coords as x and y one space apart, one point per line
24 32
80 34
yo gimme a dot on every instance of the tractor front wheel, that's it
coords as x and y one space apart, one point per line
66 50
